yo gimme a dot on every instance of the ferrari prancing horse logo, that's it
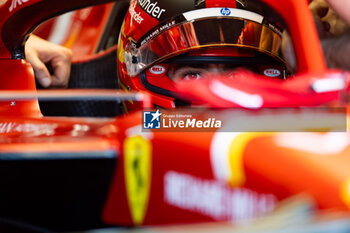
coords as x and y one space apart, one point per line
137 169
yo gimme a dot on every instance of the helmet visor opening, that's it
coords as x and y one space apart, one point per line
214 32
196 67
162 78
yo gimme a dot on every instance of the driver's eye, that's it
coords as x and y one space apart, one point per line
191 75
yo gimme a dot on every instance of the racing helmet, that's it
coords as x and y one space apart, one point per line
156 34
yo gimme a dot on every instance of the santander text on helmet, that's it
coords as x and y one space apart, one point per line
151 8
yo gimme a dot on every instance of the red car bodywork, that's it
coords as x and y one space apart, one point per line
172 177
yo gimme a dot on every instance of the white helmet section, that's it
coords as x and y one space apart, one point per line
220 12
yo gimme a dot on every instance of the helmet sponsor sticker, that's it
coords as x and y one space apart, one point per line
135 15
137 168
16 3
158 69
156 31
219 12
225 11
151 8
272 72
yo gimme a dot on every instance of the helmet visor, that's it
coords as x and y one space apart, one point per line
201 33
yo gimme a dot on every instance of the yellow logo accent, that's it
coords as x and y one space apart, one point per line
72 38
121 51
236 151
345 192
121 45
137 168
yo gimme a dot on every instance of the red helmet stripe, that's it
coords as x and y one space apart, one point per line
220 3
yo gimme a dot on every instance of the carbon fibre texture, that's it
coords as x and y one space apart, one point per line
100 72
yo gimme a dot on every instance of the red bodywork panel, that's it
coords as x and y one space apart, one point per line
86 24
265 169
18 75
35 135
176 177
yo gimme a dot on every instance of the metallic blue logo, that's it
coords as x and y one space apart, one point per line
151 120
225 11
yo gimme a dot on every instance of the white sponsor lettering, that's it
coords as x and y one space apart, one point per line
151 8
79 130
215 199
16 3
6 127
157 69
167 25
135 15
32 129
156 32
272 72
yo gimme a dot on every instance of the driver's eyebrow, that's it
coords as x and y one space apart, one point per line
177 67
194 65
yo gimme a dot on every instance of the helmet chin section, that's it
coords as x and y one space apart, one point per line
158 83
